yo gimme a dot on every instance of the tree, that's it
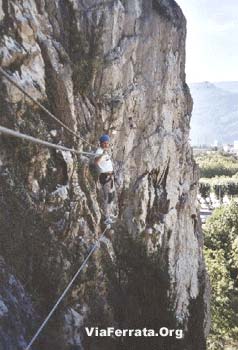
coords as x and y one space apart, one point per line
217 164
204 189
221 254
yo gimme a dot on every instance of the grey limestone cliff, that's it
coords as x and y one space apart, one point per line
101 66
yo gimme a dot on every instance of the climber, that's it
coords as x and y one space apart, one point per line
106 177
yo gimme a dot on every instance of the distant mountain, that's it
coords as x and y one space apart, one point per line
231 86
215 112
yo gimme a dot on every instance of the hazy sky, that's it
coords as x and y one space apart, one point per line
212 39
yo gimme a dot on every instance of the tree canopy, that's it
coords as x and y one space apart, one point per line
221 253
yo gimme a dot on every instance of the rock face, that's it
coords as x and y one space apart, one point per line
102 66
16 312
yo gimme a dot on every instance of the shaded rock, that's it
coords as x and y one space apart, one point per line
17 316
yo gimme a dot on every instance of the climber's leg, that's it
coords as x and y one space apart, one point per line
105 200
108 191
111 198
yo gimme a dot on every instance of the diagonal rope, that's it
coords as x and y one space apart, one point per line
66 290
7 76
19 135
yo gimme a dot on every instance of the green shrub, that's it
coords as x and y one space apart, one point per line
217 164
221 254
219 185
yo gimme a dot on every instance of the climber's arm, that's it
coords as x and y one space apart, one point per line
98 155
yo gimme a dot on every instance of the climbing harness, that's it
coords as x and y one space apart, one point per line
19 135
106 177
95 246
7 76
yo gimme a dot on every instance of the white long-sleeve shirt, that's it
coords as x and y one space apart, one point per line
105 164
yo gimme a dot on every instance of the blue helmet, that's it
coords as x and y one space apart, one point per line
104 138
